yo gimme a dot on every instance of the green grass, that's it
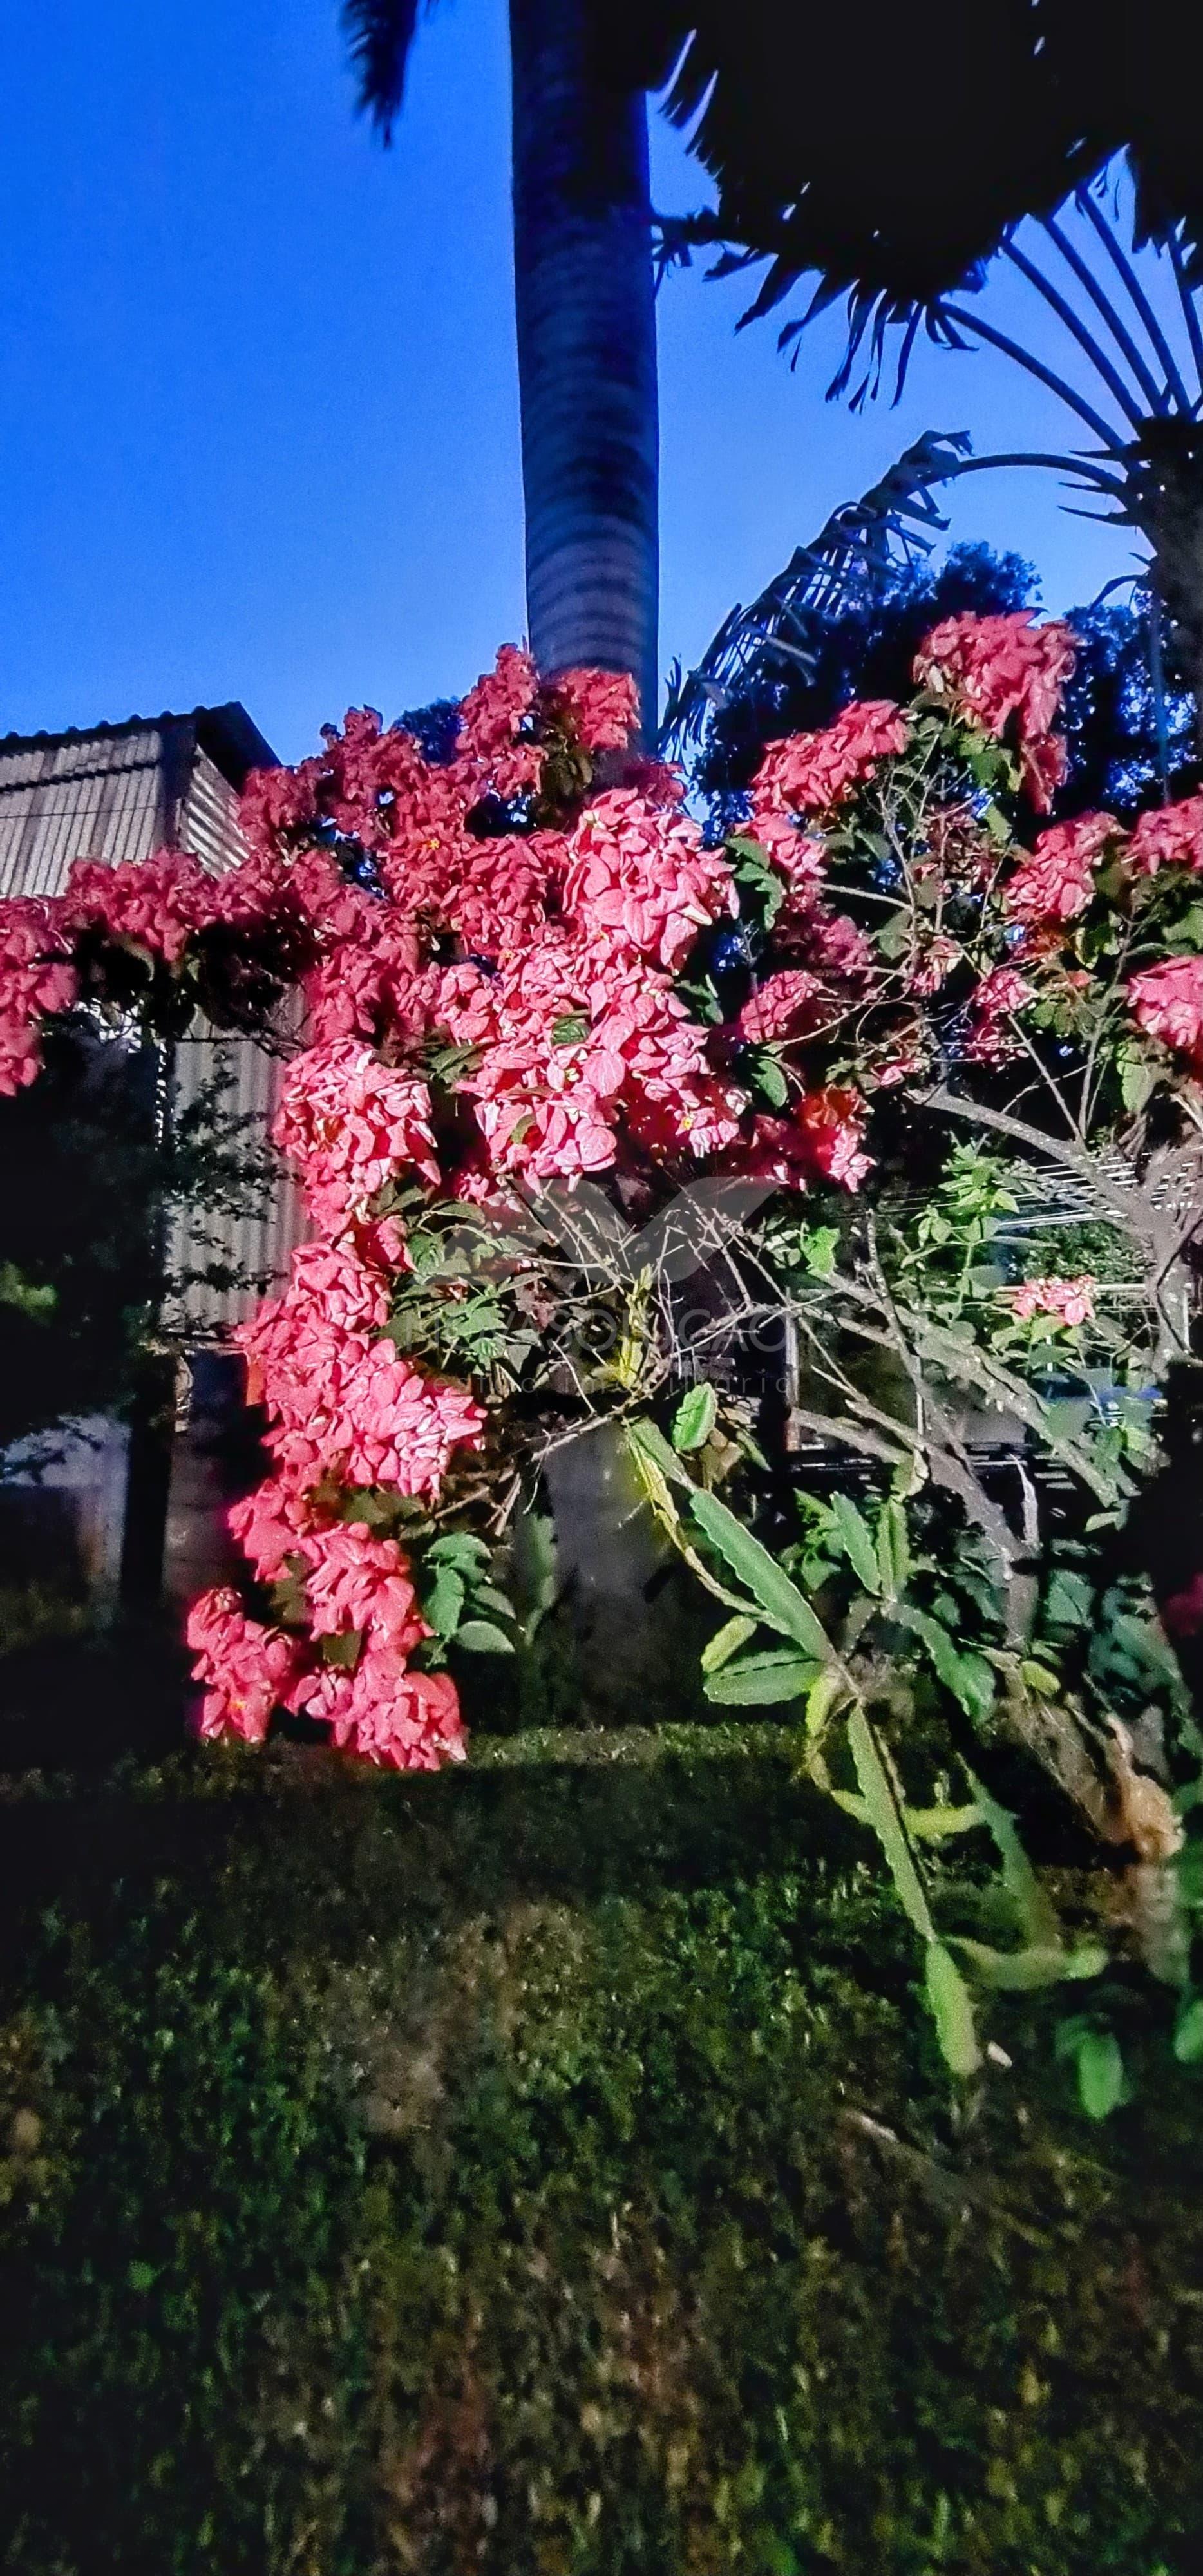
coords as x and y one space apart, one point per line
544 2169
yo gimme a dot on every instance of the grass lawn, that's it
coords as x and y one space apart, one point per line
544 2169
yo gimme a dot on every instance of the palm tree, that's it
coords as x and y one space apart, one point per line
584 290
1130 376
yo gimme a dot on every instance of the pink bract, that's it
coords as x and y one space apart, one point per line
812 772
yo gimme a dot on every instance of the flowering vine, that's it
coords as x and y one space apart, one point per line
524 968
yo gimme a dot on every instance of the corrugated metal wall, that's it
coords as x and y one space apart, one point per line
120 794
257 1247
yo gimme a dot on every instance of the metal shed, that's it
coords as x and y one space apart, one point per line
119 792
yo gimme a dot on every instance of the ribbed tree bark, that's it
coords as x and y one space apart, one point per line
586 350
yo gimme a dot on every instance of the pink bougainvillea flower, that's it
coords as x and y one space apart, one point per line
159 902
1003 669
933 965
1055 881
784 1006
269 1525
601 707
820 1140
1168 836
351 1123
37 977
492 721
385 1712
1167 1001
641 876
356 1582
248 1668
811 772
1069 1301
999 998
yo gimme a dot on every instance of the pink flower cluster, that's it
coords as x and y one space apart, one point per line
343 1401
784 1006
639 874
1056 881
582 1045
346 1413
1167 1002
246 1668
36 978
1069 1301
998 1000
821 1140
600 708
351 1124
812 772
491 1005
1168 836
158 903
1004 670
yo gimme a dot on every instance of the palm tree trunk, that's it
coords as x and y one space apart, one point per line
1166 504
586 350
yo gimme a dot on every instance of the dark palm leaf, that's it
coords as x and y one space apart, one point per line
890 529
891 154
379 35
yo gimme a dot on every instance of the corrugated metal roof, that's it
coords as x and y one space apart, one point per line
227 733
121 791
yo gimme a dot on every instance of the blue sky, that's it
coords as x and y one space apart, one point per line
258 408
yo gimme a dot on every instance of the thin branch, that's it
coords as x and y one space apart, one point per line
1074 1159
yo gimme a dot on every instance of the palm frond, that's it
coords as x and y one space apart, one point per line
379 35
888 530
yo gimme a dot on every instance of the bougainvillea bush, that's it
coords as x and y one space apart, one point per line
943 1062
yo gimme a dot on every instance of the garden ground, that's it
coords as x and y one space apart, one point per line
546 2166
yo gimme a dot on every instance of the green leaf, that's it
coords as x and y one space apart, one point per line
1026 1971
780 1600
570 1029
885 1816
761 1680
1069 1601
1100 2073
952 2011
1034 1910
1188 2034
647 1440
893 1550
822 1700
485 1596
16 1290
851 1530
968 1676
444 1602
695 1418
819 1246
768 1076
460 1548
1137 1079
727 1642
483 1637
343 1652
